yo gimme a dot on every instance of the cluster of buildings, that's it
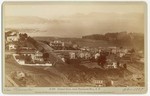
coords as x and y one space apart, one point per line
105 83
115 57
23 53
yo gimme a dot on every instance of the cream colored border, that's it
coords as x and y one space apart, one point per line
45 90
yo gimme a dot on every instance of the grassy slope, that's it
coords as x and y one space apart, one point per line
52 79
65 75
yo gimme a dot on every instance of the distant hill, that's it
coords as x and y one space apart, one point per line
81 42
119 39
126 39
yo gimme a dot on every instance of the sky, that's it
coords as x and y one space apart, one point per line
82 18
53 10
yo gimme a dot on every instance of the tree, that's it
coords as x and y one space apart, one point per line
28 59
18 49
102 60
25 35
45 56
132 50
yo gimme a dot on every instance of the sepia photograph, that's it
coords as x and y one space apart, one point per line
96 47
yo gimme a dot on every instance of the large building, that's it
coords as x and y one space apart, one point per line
56 44
11 36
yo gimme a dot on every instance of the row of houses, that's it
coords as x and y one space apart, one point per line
35 56
86 54
80 54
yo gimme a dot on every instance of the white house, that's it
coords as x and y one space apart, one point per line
114 65
87 55
21 61
38 56
110 66
12 36
72 55
96 55
100 83
121 54
114 82
142 60
114 51
75 46
121 50
63 59
81 55
20 75
12 46
140 52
